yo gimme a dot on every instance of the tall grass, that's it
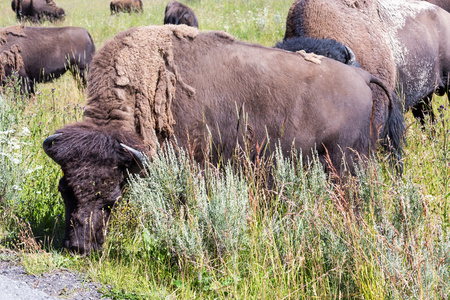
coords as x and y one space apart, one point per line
271 229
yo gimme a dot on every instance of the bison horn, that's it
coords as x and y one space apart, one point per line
351 60
140 157
48 142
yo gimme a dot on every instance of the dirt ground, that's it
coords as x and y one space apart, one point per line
62 283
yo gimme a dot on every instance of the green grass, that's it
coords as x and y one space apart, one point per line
380 237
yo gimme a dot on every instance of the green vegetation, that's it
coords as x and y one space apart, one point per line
183 232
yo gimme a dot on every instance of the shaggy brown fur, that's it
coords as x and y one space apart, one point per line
132 84
178 13
384 37
45 53
37 10
142 89
10 59
12 30
125 6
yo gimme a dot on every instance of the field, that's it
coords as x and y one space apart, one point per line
379 237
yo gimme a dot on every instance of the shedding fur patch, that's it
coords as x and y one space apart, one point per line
311 57
10 58
134 77
13 30
10 54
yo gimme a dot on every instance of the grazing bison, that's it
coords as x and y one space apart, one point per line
37 10
142 91
41 54
404 42
177 13
325 47
126 6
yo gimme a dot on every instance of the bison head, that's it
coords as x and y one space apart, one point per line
95 164
60 13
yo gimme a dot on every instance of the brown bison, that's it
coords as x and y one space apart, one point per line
404 42
37 10
126 6
142 92
177 13
41 54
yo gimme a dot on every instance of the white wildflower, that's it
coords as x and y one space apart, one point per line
25 132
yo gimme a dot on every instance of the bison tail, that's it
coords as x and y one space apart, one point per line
393 131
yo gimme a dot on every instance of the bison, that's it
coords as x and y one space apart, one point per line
404 42
125 5
325 47
177 13
41 54
142 92
37 10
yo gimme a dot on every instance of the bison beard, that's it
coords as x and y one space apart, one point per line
142 91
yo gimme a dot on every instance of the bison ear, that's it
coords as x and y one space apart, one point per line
49 142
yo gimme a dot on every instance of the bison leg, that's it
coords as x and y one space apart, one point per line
27 85
79 73
423 108
112 7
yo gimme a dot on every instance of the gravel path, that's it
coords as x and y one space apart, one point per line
16 284
15 289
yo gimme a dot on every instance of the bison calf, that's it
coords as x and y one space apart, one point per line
177 13
143 91
37 10
41 54
126 6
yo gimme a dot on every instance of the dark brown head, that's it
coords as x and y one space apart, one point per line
177 13
95 164
60 13
52 11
